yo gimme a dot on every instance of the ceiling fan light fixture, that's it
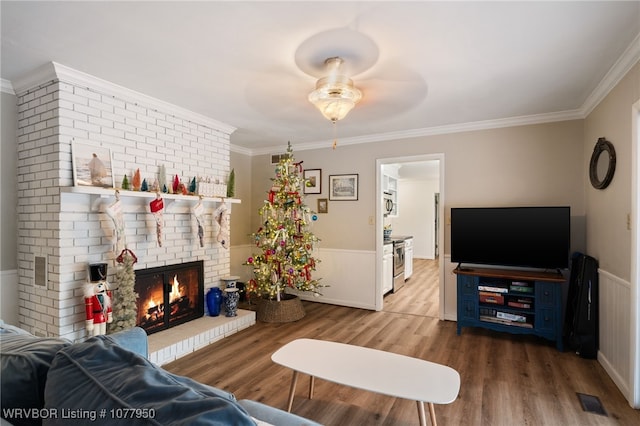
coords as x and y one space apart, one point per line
335 95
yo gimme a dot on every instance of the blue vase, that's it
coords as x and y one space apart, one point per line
214 300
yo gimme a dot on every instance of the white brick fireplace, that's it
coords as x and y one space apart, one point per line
62 230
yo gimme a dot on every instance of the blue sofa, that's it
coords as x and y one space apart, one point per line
108 380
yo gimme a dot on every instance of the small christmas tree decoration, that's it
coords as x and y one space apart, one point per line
286 244
231 184
176 184
162 178
124 307
136 181
125 182
145 186
193 186
182 189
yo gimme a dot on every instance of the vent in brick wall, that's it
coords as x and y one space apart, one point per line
40 271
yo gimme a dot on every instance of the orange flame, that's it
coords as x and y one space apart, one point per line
175 290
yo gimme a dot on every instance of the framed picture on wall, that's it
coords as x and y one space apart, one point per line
313 181
92 165
323 205
343 187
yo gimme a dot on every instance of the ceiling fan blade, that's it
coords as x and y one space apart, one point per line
278 93
392 83
400 94
358 51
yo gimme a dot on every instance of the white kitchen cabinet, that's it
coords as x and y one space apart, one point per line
387 269
408 258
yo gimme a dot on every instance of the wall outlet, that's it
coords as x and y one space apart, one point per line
629 221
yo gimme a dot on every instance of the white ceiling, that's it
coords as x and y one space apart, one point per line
423 66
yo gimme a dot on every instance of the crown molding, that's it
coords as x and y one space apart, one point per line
6 87
433 131
54 71
36 77
623 65
241 150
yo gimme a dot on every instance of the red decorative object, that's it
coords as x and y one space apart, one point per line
176 183
97 300
120 258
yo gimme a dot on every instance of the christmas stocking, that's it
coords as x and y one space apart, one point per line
221 218
198 211
157 206
115 213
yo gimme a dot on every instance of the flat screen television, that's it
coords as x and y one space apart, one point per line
528 237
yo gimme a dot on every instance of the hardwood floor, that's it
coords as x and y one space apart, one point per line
505 379
420 294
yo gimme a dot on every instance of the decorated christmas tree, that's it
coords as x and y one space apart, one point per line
286 244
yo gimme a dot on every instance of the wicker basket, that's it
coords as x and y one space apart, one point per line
288 309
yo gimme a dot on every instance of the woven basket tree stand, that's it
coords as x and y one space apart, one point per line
288 309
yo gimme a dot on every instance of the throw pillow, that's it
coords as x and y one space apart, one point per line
24 361
102 383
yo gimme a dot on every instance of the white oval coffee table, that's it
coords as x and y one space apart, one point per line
369 369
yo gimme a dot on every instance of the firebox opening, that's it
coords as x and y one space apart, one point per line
169 295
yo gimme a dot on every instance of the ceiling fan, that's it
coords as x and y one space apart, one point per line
343 63
335 95
339 55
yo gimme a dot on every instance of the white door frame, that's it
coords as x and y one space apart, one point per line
635 252
380 219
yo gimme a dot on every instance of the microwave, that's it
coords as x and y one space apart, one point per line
387 203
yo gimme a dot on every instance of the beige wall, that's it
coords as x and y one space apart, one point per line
525 165
241 213
8 161
8 202
609 239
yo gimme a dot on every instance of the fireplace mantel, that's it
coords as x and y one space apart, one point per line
98 194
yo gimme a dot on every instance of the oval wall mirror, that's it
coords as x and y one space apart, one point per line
603 164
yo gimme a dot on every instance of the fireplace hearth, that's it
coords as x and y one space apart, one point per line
169 295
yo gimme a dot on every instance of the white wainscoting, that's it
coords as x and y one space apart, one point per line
349 274
9 296
615 321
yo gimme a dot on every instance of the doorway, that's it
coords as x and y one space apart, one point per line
635 255
418 211
420 295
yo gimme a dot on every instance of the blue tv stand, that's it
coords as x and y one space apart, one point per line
512 301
